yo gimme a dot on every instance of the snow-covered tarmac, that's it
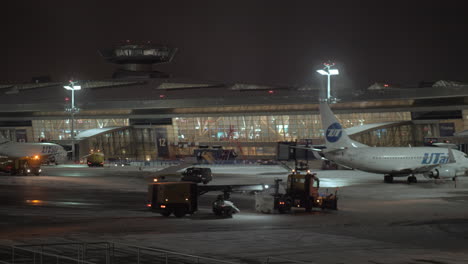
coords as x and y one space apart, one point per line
425 222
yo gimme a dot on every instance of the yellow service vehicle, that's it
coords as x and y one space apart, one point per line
95 159
301 191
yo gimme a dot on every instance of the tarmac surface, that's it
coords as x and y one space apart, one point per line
426 222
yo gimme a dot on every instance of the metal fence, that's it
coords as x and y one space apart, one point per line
19 255
109 253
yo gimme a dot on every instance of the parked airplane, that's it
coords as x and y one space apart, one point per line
432 162
20 150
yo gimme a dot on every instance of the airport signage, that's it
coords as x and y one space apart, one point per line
446 129
162 142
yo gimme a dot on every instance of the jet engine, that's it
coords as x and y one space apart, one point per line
441 173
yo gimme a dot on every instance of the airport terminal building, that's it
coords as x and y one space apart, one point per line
143 114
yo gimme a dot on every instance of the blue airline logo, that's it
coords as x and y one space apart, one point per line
435 158
49 149
334 132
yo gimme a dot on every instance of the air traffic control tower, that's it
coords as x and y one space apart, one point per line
138 60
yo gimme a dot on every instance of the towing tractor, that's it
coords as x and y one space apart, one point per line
301 191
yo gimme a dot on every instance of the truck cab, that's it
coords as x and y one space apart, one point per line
301 191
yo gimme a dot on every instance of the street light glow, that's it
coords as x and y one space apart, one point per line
334 72
75 87
322 72
328 72
72 87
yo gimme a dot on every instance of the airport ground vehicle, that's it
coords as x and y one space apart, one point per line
181 198
95 159
197 174
223 207
216 154
21 166
301 191
178 198
118 161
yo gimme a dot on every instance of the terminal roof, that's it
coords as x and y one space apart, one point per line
171 97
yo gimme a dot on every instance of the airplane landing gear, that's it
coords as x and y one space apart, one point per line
388 178
412 179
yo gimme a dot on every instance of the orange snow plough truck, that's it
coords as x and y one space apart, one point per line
21 166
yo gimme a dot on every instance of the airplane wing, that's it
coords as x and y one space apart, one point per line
313 148
231 188
333 150
317 150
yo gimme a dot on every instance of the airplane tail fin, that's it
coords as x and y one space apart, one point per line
335 135
451 158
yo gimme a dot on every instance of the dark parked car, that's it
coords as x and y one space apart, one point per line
197 174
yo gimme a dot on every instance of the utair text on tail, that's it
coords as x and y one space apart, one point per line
433 162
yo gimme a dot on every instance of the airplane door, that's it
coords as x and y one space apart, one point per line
350 155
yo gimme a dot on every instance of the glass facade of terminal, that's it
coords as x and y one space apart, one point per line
394 136
268 128
17 134
252 137
46 130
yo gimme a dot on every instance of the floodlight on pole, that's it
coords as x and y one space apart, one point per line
329 72
334 72
72 87
77 87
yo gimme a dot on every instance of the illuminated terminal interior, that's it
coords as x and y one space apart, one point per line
251 136
61 129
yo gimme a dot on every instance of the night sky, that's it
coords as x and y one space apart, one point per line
263 42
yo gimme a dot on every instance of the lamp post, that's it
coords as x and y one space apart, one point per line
73 110
329 72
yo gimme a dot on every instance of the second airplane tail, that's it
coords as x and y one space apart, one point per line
335 136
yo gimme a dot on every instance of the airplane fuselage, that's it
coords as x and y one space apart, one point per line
20 150
391 160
